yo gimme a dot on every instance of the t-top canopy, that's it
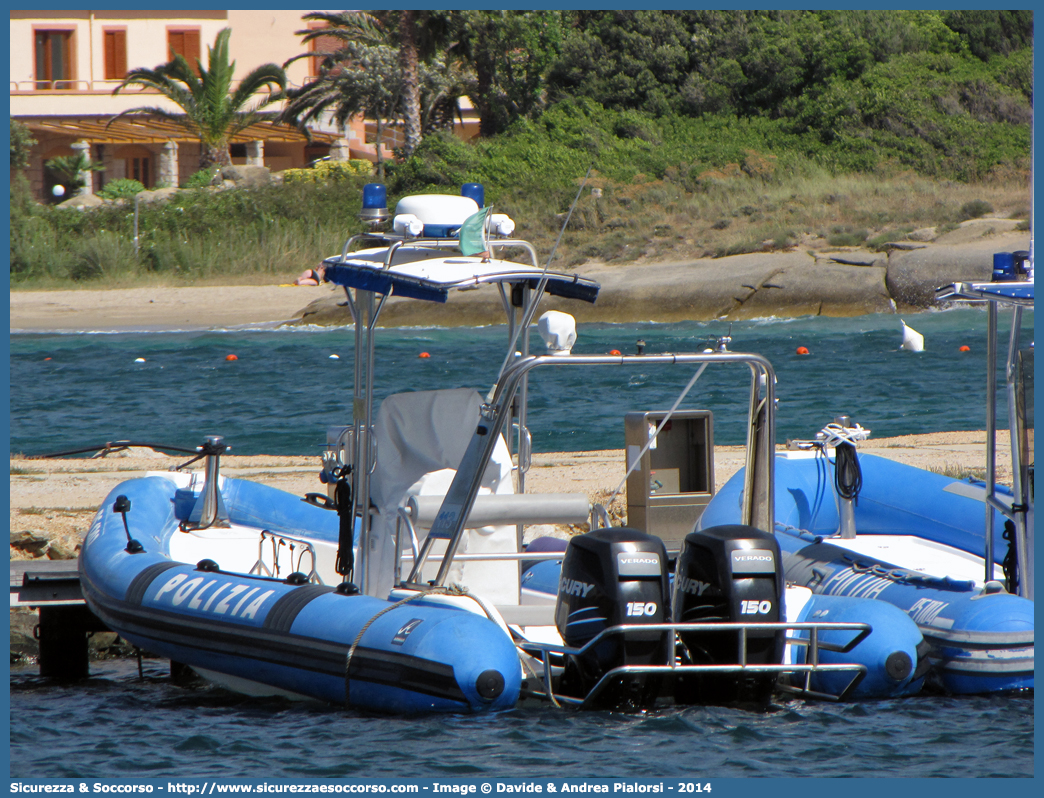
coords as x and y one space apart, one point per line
1006 293
424 273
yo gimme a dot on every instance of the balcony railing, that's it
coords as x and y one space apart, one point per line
84 87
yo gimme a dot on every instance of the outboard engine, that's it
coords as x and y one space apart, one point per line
729 574
612 577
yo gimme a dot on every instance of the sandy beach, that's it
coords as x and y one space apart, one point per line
843 282
162 307
53 501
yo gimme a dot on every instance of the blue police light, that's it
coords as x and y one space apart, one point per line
475 191
374 203
1003 266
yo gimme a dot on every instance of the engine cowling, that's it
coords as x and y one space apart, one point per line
612 577
729 574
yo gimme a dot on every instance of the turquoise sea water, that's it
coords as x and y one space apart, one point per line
75 390
284 389
118 725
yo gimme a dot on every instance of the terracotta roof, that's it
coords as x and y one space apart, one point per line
133 129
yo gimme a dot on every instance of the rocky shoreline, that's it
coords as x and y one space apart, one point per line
811 279
807 281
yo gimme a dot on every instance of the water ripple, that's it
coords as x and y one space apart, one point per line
116 723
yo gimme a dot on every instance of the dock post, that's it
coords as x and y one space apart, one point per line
63 641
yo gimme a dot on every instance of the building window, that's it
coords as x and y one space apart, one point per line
54 59
184 43
322 45
138 169
115 54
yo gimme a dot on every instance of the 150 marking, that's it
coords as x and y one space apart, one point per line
641 608
755 607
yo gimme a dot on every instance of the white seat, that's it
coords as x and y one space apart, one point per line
421 438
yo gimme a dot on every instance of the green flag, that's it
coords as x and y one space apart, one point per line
473 233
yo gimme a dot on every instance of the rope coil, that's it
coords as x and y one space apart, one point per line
834 434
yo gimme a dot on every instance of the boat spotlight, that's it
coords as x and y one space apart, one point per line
558 331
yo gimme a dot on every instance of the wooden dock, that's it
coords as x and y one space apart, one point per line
52 587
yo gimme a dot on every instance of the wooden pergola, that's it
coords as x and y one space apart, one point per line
143 129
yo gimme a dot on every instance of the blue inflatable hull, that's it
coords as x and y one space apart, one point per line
981 642
894 654
295 639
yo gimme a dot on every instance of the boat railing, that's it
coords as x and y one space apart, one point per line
1018 294
394 242
758 509
812 665
510 509
294 546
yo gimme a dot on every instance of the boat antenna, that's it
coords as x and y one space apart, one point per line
527 319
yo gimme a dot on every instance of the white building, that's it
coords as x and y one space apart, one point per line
65 65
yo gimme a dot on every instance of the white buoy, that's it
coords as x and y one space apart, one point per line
913 341
139 360
335 357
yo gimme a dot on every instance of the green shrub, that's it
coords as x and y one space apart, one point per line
441 160
847 238
22 142
327 171
121 188
202 178
105 255
975 209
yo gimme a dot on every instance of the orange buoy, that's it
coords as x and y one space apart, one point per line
47 358
802 350
614 351
231 357
965 348
423 355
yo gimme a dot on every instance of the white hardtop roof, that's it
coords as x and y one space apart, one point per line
425 272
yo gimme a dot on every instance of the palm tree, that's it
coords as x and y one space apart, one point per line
358 79
416 35
70 171
212 111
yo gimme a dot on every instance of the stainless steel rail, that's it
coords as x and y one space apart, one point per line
758 506
812 643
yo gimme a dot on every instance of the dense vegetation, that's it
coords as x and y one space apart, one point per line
708 132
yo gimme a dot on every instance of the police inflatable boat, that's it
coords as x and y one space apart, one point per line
980 635
266 627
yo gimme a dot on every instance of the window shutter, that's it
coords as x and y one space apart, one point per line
320 46
184 43
115 54
192 46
